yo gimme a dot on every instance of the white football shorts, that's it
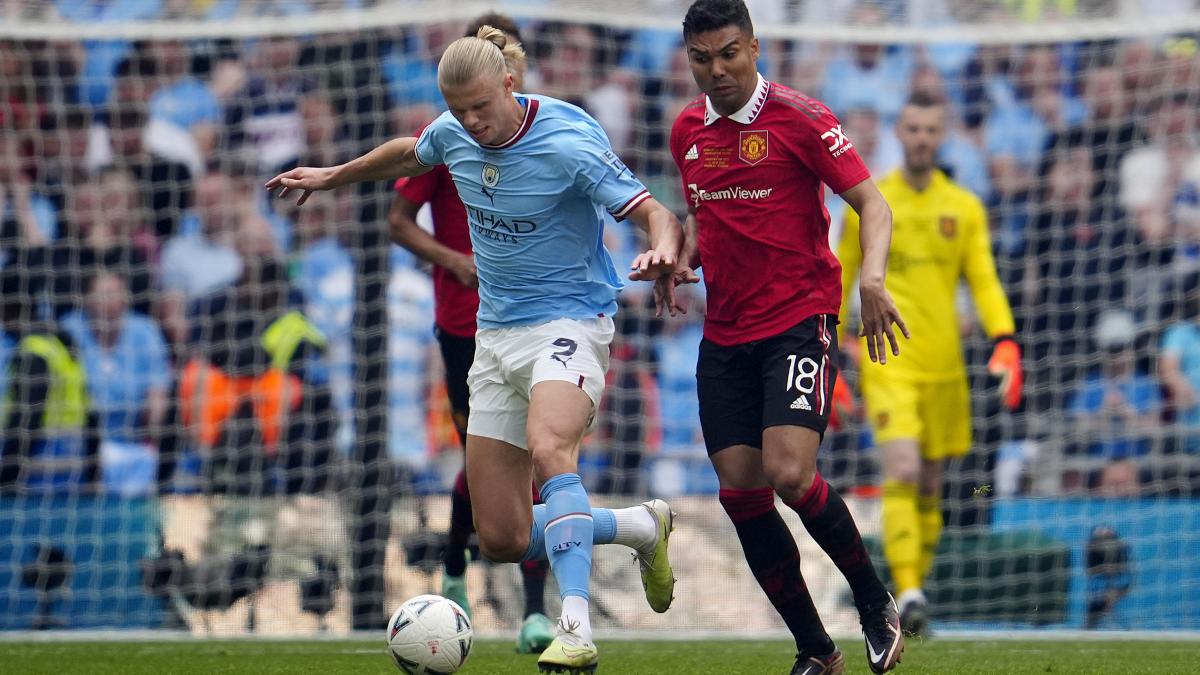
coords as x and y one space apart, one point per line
509 361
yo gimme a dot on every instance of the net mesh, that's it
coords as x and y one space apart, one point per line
187 489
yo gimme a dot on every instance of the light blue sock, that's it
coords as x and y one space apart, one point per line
604 530
569 531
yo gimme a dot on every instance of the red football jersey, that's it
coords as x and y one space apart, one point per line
755 181
455 305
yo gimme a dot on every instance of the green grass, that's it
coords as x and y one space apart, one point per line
959 656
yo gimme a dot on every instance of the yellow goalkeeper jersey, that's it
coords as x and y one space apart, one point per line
939 236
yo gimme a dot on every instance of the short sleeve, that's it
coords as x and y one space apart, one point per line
431 143
828 152
1175 340
601 175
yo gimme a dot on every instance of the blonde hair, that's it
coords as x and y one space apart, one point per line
490 52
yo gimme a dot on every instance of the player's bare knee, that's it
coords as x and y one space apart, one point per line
551 454
791 481
503 544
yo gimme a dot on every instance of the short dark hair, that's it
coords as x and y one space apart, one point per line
924 99
708 15
497 20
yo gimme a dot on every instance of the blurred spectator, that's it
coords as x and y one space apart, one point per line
411 349
184 112
410 71
1119 480
61 147
263 123
1160 180
244 394
1118 407
1179 368
19 108
204 260
50 438
1107 131
871 76
1027 106
100 64
166 184
629 418
568 56
106 231
125 360
33 215
1076 261
677 351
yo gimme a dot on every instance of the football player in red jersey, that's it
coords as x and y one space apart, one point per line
456 302
755 157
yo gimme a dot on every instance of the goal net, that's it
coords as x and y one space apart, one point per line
225 414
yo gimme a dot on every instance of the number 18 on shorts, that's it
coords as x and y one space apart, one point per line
785 379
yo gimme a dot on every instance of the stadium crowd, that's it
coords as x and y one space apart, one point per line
133 222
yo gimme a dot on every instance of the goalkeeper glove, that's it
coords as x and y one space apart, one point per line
843 404
1006 364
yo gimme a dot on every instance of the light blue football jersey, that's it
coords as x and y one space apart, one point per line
536 207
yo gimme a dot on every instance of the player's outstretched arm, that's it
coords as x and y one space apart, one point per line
397 157
875 238
660 263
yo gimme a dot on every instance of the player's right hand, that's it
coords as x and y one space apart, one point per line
307 178
878 314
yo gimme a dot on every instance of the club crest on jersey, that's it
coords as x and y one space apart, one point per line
753 146
491 175
948 225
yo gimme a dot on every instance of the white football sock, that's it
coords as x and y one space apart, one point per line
637 528
575 616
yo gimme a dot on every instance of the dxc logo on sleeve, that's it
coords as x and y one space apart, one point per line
838 141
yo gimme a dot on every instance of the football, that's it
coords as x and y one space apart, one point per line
429 635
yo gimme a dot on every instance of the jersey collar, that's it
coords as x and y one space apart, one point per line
748 113
531 108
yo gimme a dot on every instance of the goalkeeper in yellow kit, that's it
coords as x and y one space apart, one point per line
919 406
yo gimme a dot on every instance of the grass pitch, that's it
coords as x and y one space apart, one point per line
724 657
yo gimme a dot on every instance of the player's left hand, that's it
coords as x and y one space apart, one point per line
652 265
1006 364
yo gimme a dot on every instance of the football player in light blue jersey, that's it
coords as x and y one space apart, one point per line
536 176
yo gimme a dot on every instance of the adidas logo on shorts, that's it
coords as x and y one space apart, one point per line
801 403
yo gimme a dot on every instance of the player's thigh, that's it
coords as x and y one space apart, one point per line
499 474
571 357
498 406
946 412
458 353
558 415
797 372
729 390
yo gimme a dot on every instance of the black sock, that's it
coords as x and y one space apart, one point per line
774 560
829 522
454 559
533 574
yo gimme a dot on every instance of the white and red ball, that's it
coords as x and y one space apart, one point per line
429 635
